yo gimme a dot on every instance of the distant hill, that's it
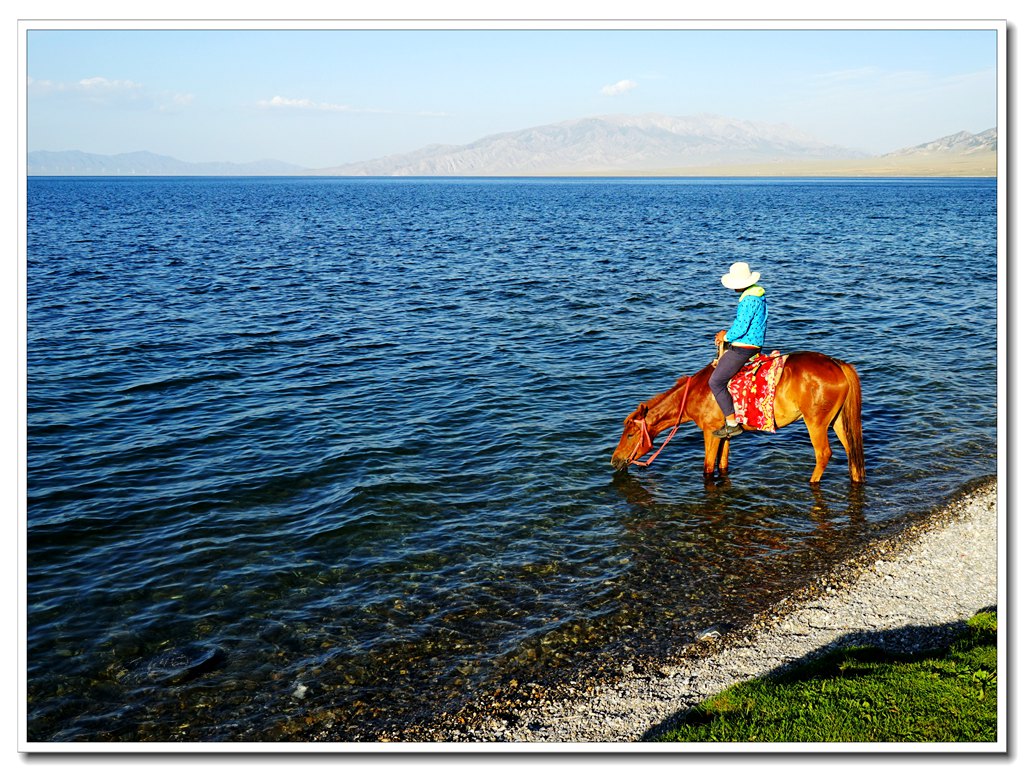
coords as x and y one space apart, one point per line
647 145
607 144
74 162
958 155
961 143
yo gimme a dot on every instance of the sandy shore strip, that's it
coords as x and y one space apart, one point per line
912 592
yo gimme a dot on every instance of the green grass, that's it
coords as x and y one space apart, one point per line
862 695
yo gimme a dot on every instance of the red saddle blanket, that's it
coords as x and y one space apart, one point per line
753 391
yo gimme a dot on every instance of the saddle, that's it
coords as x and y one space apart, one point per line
753 391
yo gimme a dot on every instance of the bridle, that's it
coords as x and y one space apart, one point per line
645 431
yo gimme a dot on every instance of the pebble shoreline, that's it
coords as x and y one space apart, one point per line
911 592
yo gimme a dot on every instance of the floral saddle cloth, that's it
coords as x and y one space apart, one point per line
753 391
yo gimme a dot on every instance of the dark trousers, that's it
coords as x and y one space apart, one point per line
730 363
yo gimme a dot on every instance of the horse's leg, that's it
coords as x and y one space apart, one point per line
843 433
723 464
818 430
711 443
840 429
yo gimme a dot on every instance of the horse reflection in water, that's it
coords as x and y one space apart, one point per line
823 391
713 560
721 506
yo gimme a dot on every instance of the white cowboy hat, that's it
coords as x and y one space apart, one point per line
740 276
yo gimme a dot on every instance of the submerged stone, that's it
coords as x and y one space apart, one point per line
179 664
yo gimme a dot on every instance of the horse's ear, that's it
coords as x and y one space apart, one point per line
641 410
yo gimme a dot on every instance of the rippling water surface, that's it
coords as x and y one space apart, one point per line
314 455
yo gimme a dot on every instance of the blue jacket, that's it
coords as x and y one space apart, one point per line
751 318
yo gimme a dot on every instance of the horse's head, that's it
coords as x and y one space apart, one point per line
640 426
636 439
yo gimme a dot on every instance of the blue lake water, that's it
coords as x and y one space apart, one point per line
308 457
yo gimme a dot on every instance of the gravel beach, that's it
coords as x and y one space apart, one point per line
910 592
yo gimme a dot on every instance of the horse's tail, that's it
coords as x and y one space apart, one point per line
850 414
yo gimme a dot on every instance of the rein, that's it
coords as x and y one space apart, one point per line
645 432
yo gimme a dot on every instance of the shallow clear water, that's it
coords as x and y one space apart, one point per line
333 452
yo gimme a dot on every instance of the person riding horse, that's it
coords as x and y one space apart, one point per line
821 390
741 341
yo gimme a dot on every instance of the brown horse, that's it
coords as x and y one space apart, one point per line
823 391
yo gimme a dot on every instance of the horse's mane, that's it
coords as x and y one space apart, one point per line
680 384
704 372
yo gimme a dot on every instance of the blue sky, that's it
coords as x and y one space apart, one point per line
323 97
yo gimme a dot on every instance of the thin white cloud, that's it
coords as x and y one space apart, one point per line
106 92
873 85
84 86
176 102
285 103
36 86
105 84
619 88
854 75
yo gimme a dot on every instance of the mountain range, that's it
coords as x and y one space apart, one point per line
611 145
963 142
142 163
